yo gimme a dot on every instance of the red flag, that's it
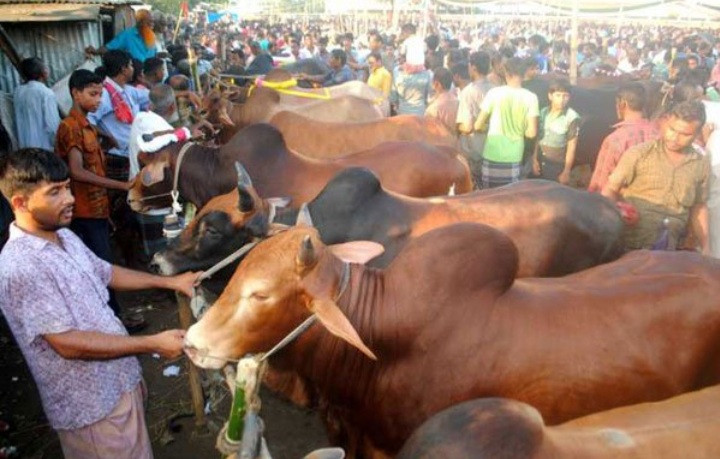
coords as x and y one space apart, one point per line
184 10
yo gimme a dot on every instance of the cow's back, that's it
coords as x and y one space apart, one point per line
556 229
326 140
683 426
653 315
603 338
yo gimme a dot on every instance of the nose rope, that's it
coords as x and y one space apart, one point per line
344 282
227 260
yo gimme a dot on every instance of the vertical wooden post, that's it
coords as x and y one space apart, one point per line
196 392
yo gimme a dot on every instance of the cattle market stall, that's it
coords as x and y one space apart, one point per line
57 32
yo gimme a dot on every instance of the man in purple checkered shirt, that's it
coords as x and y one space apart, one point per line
53 293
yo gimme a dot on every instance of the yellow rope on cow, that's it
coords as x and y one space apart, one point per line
283 87
276 84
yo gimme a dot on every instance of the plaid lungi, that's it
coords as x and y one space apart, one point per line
117 167
499 174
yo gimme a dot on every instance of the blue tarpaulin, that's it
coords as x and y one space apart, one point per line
216 16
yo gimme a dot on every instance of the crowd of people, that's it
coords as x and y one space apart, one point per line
475 79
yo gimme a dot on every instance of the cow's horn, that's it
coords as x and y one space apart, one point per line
303 217
243 176
246 202
306 257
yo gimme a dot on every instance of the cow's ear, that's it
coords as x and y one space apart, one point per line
336 323
224 118
246 201
357 251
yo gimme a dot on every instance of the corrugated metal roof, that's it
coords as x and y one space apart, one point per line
37 12
60 45
86 2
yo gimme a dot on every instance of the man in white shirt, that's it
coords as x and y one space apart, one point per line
309 49
36 109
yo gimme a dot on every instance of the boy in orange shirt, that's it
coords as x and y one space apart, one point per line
78 144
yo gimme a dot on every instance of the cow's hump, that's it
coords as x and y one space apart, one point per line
260 141
460 258
348 190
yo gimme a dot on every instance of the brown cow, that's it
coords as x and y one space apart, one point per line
683 426
266 103
448 322
319 139
557 230
410 168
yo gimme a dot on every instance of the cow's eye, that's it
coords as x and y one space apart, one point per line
260 296
210 230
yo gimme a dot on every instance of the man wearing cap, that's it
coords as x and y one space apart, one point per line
153 130
139 41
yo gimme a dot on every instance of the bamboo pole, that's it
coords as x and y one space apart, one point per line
177 25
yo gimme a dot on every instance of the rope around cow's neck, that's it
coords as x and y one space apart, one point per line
177 208
174 193
344 282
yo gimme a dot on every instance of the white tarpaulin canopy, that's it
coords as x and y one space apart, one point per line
691 9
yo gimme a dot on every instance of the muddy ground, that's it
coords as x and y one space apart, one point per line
291 432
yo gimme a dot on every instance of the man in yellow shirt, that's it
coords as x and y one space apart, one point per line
379 78
667 180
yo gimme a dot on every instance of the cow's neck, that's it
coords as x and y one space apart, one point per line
328 362
201 175
259 108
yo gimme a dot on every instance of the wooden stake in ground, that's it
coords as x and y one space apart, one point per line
196 392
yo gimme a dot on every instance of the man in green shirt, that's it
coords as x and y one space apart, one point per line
510 114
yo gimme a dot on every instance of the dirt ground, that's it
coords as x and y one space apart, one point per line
290 432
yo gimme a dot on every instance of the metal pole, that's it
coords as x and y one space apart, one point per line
574 44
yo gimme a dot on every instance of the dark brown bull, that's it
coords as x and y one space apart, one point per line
410 168
448 322
683 426
558 230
